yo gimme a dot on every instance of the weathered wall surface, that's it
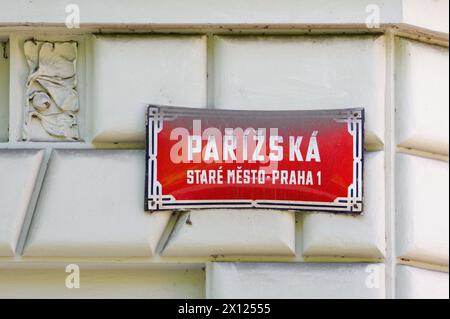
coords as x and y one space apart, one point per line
66 200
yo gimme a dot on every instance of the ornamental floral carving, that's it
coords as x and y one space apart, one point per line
52 102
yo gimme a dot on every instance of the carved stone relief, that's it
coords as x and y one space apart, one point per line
52 103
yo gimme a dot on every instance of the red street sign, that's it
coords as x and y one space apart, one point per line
297 160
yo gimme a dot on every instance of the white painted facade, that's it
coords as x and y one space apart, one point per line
80 202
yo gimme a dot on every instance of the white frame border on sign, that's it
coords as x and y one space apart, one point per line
156 200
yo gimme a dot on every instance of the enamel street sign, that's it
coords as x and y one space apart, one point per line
297 160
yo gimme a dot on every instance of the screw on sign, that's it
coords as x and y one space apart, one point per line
296 160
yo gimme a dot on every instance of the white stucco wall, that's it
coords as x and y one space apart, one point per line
4 93
81 202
